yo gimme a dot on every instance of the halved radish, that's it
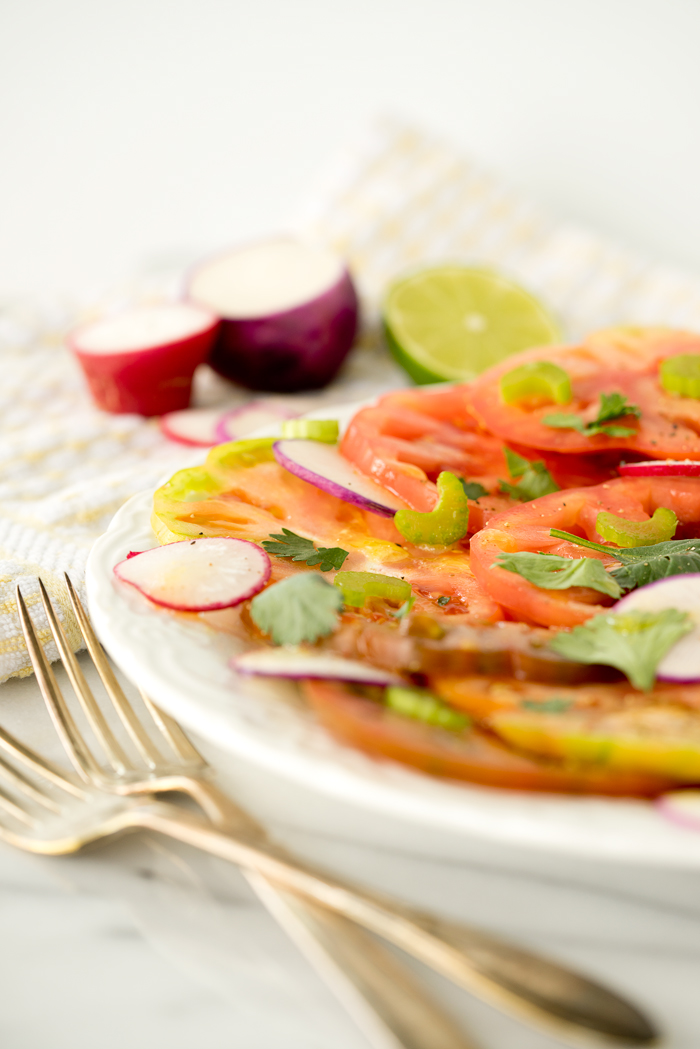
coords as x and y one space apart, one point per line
661 468
198 575
682 662
239 422
288 309
323 466
297 663
143 360
196 427
681 807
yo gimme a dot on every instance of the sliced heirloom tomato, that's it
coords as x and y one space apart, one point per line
622 360
527 527
610 727
410 436
471 755
241 491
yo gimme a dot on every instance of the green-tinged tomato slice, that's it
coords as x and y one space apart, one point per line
661 740
357 587
324 430
536 383
445 524
659 528
681 375
425 706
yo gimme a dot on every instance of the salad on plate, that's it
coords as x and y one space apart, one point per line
495 581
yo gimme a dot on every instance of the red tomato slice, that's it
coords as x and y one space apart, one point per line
622 360
526 527
406 439
473 755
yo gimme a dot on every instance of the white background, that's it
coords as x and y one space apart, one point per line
133 130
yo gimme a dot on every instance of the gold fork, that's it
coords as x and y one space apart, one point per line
519 982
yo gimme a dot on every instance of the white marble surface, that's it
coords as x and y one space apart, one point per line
143 942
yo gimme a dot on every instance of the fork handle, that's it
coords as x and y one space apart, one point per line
389 1005
518 982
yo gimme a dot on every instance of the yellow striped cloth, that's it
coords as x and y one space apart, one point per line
394 197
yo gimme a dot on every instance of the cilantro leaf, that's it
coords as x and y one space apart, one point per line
444 600
644 564
472 489
302 608
535 478
612 406
559 573
289 544
634 642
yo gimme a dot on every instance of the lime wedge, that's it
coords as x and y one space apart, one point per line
453 322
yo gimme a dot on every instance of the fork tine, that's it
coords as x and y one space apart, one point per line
111 746
145 746
68 731
14 810
172 731
41 766
20 782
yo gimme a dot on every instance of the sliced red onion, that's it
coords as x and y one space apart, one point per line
198 575
682 662
323 466
288 309
296 663
661 468
143 360
239 422
196 427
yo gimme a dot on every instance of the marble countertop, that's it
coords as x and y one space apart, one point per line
144 942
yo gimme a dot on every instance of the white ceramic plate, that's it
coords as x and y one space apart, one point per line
183 666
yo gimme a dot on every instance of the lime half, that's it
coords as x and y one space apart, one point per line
453 322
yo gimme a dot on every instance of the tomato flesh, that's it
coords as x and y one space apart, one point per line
527 527
624 361
473 755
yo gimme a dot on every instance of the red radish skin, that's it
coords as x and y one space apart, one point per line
129 368
682 662
299 664
661 468
281 342
323 466
194 427
197 575
239 422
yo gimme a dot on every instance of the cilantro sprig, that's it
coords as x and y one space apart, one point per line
551 572
535 478
302 608
644 564
612 406
634 642
472 489
289 544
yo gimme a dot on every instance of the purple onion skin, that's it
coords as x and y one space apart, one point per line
286 352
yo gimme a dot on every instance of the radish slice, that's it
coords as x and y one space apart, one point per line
299 663
289 314
198 575
323 466
143 360
682 662
239 422
196 427
681 807
661 468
